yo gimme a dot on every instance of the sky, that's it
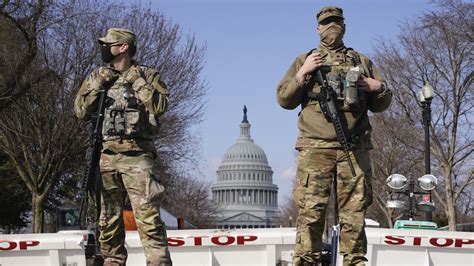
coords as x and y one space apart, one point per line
250 45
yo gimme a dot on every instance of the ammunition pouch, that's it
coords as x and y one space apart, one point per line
125 116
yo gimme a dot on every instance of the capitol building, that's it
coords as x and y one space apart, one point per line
244 192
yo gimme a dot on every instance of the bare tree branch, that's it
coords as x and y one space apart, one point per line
437 47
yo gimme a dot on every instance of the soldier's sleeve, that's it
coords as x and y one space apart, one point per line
290 91
377 102
152 91
86 99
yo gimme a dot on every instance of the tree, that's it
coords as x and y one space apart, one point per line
13 196
20 23
189 198
39 132
396 150
437 48
288 211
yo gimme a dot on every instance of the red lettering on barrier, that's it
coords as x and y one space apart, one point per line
416 241
448 242
459 242
434 241
394 240
241 239
229 240
175 241
11 245
28 243
216 240
197 240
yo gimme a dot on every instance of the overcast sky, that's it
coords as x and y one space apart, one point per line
250 45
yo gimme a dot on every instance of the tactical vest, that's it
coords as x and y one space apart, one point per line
342 70
125 115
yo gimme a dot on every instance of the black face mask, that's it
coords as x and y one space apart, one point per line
106 53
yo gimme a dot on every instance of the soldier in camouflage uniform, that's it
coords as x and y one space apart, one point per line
136 96
320 154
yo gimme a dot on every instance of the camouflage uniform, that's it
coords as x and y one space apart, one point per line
135 98
321 156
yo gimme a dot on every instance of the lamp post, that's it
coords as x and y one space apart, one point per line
400 184
425 95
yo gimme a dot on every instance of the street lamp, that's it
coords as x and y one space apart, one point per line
425 95
401 185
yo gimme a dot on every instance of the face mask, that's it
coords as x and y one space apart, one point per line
106 53
331 36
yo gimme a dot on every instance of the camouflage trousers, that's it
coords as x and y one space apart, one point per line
133 173
315 171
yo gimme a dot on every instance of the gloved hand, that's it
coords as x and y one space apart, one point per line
107 77
133 74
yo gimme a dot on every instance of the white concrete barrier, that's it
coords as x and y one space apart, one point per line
245 247
59 249
419 247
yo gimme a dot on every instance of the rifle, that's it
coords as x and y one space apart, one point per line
336 227
327 101
90 184
329 253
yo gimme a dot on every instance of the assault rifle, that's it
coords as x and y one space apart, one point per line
327 101
329 251
336 227
90 184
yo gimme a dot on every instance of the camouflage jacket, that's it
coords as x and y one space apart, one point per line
152 97
314 130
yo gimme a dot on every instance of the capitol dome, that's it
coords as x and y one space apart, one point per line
244 191
245 151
